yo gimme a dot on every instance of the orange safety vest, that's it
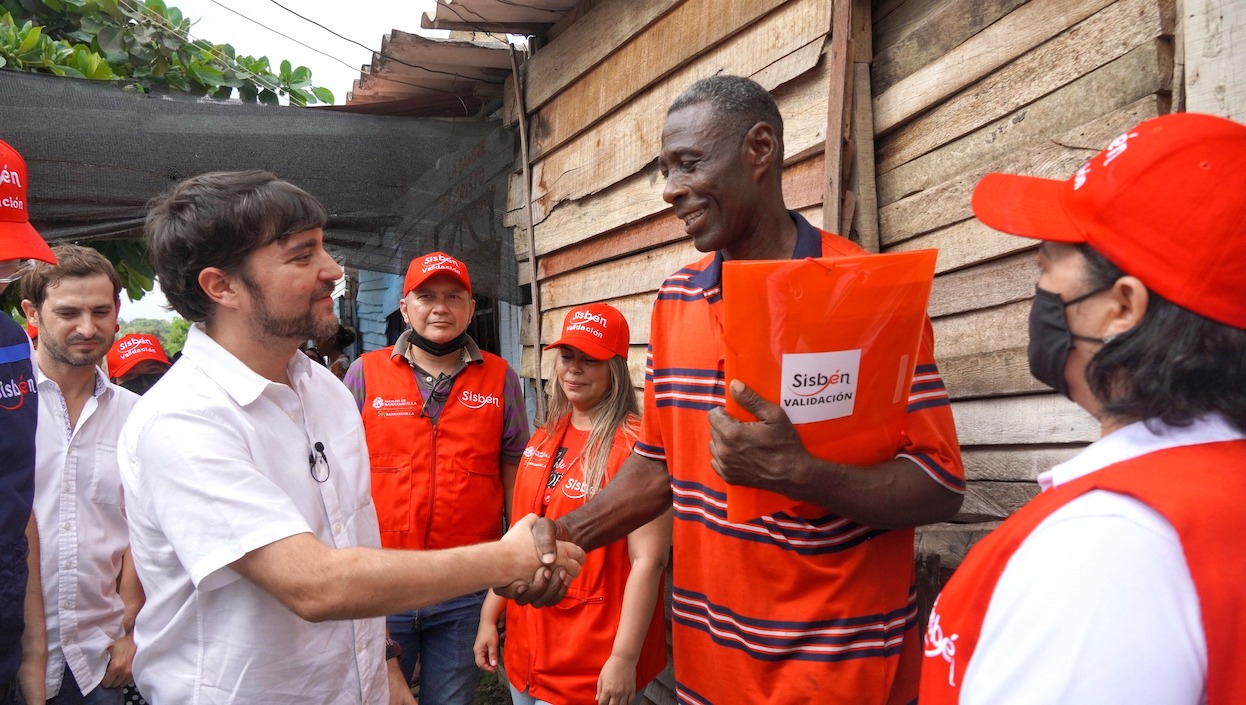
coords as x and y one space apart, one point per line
434 485
1198 489
557 653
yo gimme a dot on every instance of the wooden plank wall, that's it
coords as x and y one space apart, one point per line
963 88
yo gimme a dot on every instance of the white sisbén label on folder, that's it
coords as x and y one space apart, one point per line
819 386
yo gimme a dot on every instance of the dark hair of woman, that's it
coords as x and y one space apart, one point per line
1175 365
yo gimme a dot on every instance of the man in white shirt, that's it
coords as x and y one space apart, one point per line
247 478
90 591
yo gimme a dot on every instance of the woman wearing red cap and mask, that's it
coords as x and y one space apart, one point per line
1122 581
606 639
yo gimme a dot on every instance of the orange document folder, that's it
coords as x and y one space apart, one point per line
832 341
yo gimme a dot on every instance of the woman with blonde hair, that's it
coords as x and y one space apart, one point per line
606 639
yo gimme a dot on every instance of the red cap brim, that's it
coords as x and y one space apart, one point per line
21 241
589 347
1025 205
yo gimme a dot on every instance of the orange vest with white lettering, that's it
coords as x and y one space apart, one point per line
434 485
556 653
1199 489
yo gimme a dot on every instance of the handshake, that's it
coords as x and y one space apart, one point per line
537 551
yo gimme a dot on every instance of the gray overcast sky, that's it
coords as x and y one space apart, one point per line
364 21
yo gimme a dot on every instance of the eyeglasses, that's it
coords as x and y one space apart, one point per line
438 395
14 269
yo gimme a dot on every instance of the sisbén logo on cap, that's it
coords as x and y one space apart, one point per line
597 330
18 239
424 268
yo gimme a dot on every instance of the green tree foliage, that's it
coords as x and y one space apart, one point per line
144 43
177 336
147 326
171 334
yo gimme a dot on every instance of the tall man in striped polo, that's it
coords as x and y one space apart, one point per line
815 604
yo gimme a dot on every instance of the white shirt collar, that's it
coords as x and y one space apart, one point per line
102 385
1137 439
240 382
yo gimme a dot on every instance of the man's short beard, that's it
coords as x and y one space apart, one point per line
302 327
54 350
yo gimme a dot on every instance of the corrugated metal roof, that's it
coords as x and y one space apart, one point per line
462 76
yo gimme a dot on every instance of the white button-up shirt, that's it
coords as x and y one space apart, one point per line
82 528
215 464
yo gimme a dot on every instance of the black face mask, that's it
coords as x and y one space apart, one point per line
437 349
140 384
1050 338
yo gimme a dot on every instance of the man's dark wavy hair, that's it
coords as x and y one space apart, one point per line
1175 365
215 220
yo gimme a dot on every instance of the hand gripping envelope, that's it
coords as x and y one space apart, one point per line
833 342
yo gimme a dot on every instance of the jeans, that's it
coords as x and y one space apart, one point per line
70 694
518 698
440 637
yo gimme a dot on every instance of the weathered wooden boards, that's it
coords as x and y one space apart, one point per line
672 40
802 102
1057 156
1215 68
773 50
585 44
946 24
1101 39
1013 35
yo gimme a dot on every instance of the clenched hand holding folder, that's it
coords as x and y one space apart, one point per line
833 342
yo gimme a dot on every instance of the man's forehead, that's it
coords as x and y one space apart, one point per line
301 239
81 287
695 125
441 282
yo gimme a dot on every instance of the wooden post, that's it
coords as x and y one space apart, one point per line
864 220
838 108
535 283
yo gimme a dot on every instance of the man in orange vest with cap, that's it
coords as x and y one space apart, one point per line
446 430
23 639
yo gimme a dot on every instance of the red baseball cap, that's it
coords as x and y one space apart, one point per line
1165 202
430 265
597 330
132 349
31 331
18 240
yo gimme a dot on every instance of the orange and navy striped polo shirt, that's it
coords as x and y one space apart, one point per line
797 606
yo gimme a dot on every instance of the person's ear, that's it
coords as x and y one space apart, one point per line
31 313
402 308
1130 298
761 148
220 286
